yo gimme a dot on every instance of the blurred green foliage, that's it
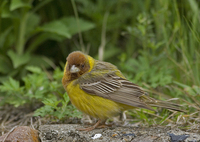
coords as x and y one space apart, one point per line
23 31
39 86
58 108
36 86
154 43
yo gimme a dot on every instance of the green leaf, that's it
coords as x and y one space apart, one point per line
43 111
10 85
15 4
75 26
42 38
5 65
66 98
197 89
181 84
5 10
56 27
34 69
4 35
32 22
51 102
66 27
111 52
14 84
17 59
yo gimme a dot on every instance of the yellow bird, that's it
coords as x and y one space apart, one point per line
100 90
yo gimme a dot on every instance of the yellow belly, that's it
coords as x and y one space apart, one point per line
93 105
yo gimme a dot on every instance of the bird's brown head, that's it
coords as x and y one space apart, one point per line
77 64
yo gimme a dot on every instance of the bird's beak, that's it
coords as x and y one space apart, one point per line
74 69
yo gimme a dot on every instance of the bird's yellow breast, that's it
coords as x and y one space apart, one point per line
92 105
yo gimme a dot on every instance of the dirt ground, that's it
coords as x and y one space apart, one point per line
55 131
68 133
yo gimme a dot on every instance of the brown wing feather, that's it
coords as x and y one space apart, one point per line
115 88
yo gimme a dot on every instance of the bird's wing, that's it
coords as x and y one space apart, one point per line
113 87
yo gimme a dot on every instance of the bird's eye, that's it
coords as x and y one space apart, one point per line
82 65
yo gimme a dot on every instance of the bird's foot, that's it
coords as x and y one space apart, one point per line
90 128
104 125
97 125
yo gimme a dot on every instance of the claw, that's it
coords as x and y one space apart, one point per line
97 125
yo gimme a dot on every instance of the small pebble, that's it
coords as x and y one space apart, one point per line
96 136
114 135
131 134
178 138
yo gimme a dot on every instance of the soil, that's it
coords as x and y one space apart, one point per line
67 131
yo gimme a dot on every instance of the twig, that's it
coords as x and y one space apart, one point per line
78 25
156 116
103 37
3 122
9 133
169 117
40 123
32 123
9 121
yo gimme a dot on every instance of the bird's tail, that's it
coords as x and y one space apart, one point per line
166 105
163 104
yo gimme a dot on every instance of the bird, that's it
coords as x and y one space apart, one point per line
100 90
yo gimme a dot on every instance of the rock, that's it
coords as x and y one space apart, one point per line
21 134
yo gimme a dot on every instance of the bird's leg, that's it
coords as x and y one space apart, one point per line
97 125
104 125
90 128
